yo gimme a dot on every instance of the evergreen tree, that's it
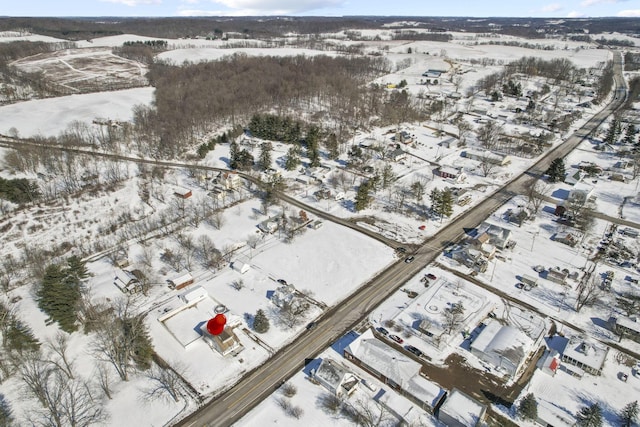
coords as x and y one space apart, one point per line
590 416
388 177
613 132
264 159
293 159
528 408
6 413
233 154
313 150
363 198
260 322
331 143
446 203
59 295
629 134
556 170
436 201
629 414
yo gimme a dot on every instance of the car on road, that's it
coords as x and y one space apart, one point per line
396 339
282 282
383 331
409 259
412 349
311 325
431 276
519 285
401 249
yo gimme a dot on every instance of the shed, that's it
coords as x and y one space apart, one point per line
182 193
461 410
240 266
181 281
529 280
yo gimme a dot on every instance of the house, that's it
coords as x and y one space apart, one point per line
225 343
551 415
432 73
399 371
497 236
566 238
283 295
627 327
557 276
398 154
126 281
218 194
581 193
469 257
450 142
240 266
335 378
454 174
181 281
502 346
461 410
269 225
487 156
229 180
580 356
182 193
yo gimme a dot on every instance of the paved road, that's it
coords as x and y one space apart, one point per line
254 387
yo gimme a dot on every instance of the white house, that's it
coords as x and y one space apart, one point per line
580 356
461 410
335 378
126 281
240 266
502 346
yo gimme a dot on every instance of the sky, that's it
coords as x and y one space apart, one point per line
475 8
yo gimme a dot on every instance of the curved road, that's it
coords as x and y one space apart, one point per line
254 387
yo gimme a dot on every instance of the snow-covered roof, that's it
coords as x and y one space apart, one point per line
587 353
509 342
194 295
465 409
553 415
395 366
183 278
629 323
330 373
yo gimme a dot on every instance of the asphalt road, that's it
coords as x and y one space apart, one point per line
230 406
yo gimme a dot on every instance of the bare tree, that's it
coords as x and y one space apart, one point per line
216 219
103 379
489 134
237 284
453 317
487 166
292 314
588 293
330 402
164 384
536 193
59 346
367 413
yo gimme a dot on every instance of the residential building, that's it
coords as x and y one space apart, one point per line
580 356
126 281
461 410
455 174
181 281
504 347
336 378
399 371
487 156
497 236
627 327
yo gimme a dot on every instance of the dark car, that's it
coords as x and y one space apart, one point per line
383 331
412 349
431 276
401 249
396 339
311 325
519 285
282 282
409 259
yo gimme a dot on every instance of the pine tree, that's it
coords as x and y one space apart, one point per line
436 201
446 202
260 322
264 159
293 159
629 414
590 416
233 155
59 295
528 408
6 413
629 134
363 199
332 146
556 170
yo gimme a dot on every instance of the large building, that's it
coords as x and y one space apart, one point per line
504 347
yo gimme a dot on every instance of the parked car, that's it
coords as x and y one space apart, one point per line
401 249
383 331
412 349
282 282
396 339
519 285
311 325
431 276
409 259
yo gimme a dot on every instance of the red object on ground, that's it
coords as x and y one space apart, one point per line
215 325
422 227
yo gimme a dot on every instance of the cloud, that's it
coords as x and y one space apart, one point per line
262 7
629 13
553 7
575 14
592 2
133 2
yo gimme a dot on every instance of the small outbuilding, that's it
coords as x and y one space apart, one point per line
240 266
461 410
181 281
